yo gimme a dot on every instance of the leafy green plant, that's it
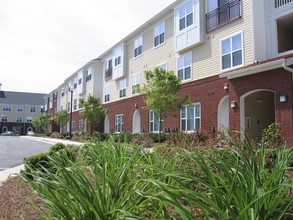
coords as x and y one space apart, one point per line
272 136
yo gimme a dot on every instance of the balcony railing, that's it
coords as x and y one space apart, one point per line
223 14
108 73
279 3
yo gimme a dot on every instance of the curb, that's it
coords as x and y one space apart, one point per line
5 174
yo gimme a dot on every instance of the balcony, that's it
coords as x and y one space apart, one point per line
279 3
108 73
223 14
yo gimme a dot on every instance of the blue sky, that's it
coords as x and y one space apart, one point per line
42 42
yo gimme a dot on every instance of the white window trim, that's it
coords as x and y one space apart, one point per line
220 46
162 127
138 39
122 127
133 75
159 65
191 71
194 104
154 36
177 20
107 87
119 89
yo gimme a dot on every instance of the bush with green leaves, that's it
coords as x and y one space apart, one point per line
272 136
113 180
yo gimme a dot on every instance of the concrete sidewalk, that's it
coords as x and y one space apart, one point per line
5 174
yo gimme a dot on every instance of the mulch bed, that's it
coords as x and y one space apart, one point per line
16 201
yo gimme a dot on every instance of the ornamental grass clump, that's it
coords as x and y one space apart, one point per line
232 184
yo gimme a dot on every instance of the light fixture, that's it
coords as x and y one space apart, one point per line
136 105
233 104
226 86
283 98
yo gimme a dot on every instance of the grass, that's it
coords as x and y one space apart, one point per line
113 180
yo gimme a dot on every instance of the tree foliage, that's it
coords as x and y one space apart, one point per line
61 118
41 123
161 93
92 111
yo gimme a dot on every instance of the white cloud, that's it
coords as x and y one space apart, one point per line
42 42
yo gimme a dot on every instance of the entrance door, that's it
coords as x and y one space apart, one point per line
259 113
136 122
223 114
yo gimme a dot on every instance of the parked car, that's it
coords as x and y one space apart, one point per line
30 133
7 133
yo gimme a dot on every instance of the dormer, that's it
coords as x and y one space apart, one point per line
189 24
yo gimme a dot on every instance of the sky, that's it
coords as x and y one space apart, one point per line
42 42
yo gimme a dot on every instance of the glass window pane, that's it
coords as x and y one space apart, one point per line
197 123
180 62
180 74
182 11
237 58
182 23
183 112
188 7
187 73
226 46
197 111
190 118
189 19
236 42
187 59
226 61
183 124
162 38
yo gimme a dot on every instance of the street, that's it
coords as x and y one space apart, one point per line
14 149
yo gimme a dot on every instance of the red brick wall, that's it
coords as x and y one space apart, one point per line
209 92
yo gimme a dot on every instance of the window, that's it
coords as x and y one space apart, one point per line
75 85
88 75
154 122
185 15
122 88
138 47
33 109
62 92
135 83
163 66
6 108
19 108
18 119
80 125
117 60
4 118
159 34
79 81
74 104
73 125
29 119
109 70
190 117
118 123
184 66
68 106
231 51
107 94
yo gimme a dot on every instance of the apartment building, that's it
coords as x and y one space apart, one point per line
17 109
234 57
86 81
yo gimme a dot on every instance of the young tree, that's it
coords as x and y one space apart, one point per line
61 118
41 123
161 94
92 110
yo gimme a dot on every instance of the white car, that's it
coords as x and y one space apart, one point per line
30 133
7 133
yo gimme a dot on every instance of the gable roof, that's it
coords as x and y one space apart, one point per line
21 98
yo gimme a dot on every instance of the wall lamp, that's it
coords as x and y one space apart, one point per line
233 104
283 98
226 86
136 105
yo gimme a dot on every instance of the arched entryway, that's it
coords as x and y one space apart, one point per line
136 122
4 129
29 129
257 112
223 114
107 125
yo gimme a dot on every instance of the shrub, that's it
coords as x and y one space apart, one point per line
272 136
56 135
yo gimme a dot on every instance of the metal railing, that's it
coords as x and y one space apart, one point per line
279 3
108 73
223 14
